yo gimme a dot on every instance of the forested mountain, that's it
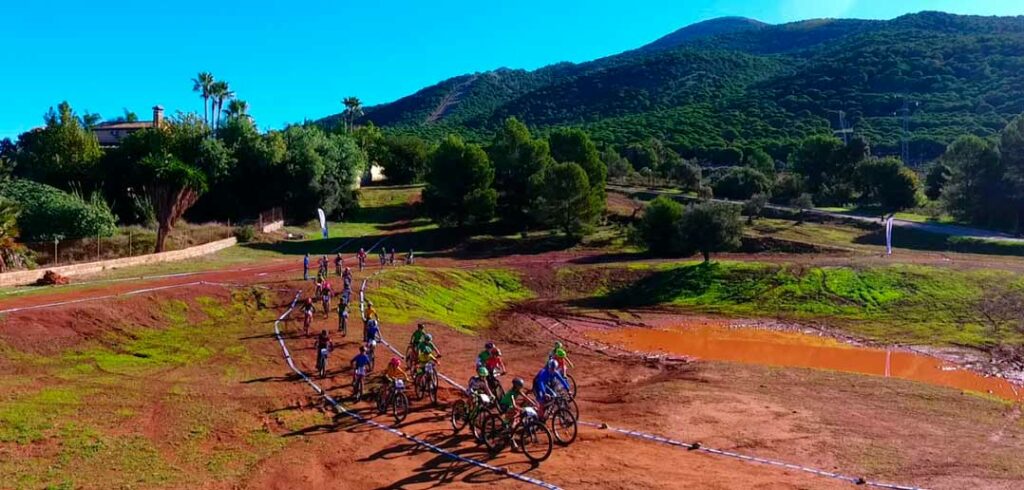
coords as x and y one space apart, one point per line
739 82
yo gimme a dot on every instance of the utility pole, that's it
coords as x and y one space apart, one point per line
904 115
843 131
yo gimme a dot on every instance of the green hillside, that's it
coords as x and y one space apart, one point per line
738 82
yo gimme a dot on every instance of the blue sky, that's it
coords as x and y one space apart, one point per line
296 60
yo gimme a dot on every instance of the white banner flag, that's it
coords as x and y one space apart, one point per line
888 236
323 221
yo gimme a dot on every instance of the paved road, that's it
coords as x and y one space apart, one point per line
937 228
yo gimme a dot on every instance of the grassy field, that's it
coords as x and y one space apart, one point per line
898 303
462 299
140 406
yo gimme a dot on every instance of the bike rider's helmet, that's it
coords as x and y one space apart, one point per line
552 365
373 343
323 333
489 345
518 383
369 303
309 301
558 345
420 326
497 352
395 362
428 337
362 349
482 372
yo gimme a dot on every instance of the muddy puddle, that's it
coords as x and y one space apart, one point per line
790 349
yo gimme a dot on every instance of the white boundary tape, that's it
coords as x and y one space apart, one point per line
672 442
341 409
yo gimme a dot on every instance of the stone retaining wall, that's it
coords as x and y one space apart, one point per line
28 277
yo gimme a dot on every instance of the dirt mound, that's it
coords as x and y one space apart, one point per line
51 278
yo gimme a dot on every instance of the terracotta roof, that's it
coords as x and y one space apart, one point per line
124 125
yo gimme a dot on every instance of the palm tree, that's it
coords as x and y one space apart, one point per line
203 83
237 108
219 92
353 110
8 229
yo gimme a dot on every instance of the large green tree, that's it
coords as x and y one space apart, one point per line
740 183
659 227
203 85
1011 152
403 158
517 158
710 227
828 166
562 198
459 181
572 145
976 191
62 153
887 183
320 170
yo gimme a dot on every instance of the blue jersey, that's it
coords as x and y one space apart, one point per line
547 378
362 360
372 331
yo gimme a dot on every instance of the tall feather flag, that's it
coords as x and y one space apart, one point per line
888 236
323 221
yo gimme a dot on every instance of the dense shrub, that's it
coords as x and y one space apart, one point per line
48 212
245 234
740 183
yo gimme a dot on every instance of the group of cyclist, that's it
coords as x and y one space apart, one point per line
422 354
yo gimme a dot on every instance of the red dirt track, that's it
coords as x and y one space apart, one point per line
819 419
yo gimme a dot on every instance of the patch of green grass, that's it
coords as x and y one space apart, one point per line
30 418
898 303
459 298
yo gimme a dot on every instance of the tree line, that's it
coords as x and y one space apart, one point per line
218 166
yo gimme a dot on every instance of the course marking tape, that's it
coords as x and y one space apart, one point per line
341 409
673 442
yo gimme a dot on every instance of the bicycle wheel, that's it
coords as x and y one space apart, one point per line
563 427
535 441
418 389
432 388
382 401
357 389
495 433
572 384
476 425
459 415
400 407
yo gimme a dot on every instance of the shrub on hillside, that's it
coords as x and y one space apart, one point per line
245 234
740 183
48 213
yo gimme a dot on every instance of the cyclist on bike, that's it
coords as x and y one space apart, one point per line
481 358
418 335
361 256
394 371
325 296
494 363
507 404
346 277
560 356
323 341
319 283
478 384
360 365
371 313
428 344
544 382
426 354
372 331
391 257
339 263
409 258
343 319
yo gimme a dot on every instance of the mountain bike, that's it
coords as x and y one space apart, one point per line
529 433
558 414
358 381
471 413
393 396
321 362
426 382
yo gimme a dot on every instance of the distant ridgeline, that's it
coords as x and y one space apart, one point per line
738 82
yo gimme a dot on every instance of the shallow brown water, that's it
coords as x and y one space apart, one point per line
789 349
